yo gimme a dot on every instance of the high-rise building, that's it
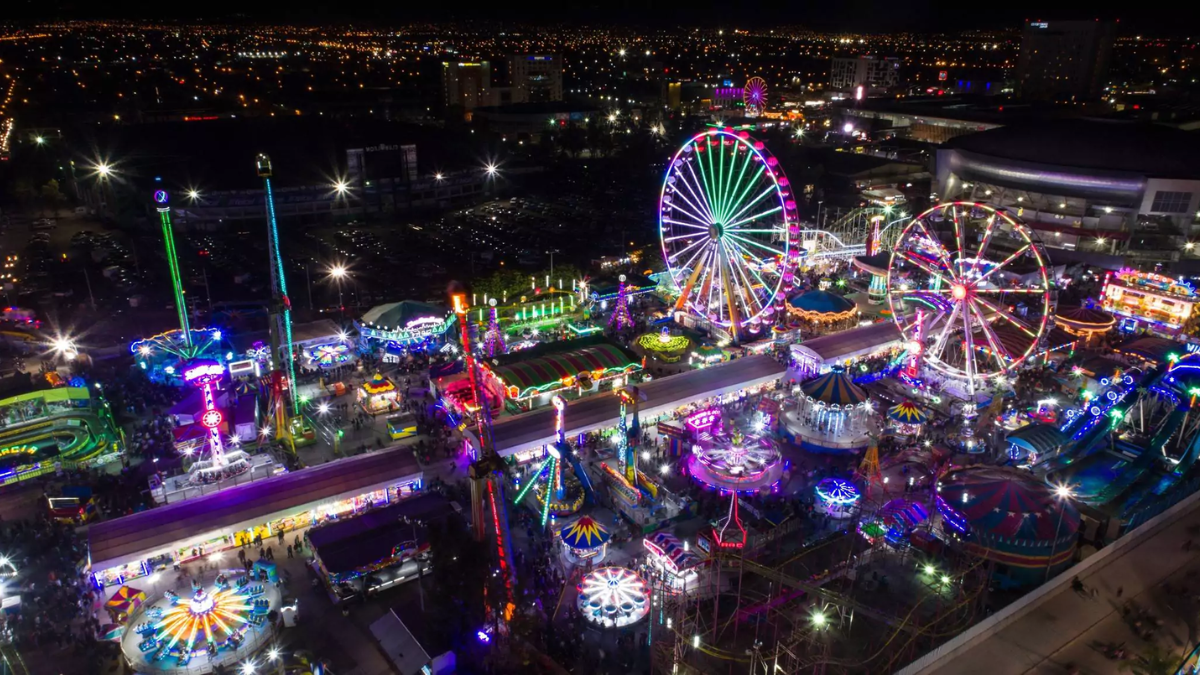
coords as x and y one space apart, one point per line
535 78
869 72
1065 60
467 84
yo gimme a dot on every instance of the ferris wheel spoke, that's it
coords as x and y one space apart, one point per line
751 242
1006 316
679 236
747 287
739 197
694 212
734 225
940 343
1019 252
702 185
943 252
958 234
987 237
734 287
770 190
998 350
693 225
681 251
696 190
1010 290
922 264
710 181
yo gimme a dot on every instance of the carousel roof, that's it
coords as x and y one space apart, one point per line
399 314
875 264
907 413
822 302
834 388
584 533
1000 503
1085 318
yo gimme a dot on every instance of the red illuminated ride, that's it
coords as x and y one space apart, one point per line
969 288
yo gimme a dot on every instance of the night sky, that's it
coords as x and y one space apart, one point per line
826 15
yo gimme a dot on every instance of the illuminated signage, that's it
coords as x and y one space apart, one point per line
211 419
1039 24
202 372
703 420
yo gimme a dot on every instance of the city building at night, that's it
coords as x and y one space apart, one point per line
535 78
467 84
1064 60
1090 185
875 74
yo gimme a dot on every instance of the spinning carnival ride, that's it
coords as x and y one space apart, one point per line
970 291
281 318
728 227
736 461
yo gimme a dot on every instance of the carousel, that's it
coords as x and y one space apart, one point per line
613 597
820 312
837 497
832 414
906 419
378 396
585 541
1085 322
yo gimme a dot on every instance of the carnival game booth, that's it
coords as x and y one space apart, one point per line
584 541
399 328
673 561
378 396
833 415
1008 517
1149 302
821 312
818 355
378 549
1086 323
531 377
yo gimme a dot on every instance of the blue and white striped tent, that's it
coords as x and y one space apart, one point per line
834 389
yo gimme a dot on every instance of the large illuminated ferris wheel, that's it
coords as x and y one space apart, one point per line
970 290
727 223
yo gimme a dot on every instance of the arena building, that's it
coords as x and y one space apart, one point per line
1103 186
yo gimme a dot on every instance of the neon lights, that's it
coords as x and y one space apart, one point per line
620 318
279 282
703 420
613 597
164 214
219 617
203 372
211 419
663 342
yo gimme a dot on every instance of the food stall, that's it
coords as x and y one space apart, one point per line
378 396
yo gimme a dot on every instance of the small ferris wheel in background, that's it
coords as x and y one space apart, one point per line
754 95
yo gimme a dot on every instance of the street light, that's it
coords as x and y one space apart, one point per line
340 187
1063 493
338 272
193 195
438 176
323 408
103 170
40 140
490 169
819 619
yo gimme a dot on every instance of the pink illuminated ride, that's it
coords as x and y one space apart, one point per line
970 289
221 464
728 227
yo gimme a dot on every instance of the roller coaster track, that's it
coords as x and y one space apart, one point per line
829 596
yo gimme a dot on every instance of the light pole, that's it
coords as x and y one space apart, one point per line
819 203
337 273
1062 493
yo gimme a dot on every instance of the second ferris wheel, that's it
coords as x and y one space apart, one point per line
728 227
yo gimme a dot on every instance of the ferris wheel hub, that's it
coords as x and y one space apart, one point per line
715 231
959 291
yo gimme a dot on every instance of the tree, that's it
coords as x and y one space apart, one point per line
23 192
1153 660
573 140
52 196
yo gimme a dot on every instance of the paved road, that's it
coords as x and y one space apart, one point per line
1064 629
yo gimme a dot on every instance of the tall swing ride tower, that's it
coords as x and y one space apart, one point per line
281 314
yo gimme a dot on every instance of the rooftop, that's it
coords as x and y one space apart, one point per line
1133 147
